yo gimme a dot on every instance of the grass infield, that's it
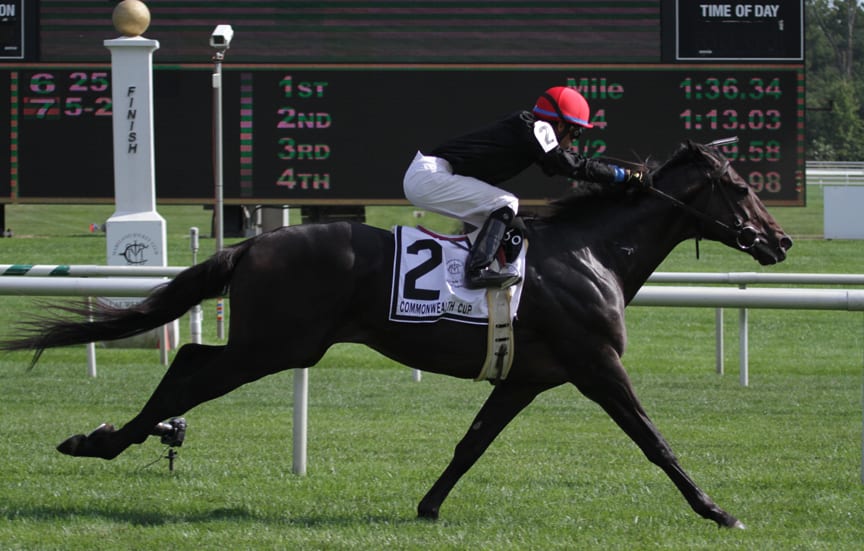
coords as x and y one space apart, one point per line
784 455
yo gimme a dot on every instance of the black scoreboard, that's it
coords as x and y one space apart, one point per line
328 105
345 134
18 30
738 30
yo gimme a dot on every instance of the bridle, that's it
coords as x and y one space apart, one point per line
746 236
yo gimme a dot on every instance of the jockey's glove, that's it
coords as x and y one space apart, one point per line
640 179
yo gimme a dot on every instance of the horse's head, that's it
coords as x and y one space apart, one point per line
700 180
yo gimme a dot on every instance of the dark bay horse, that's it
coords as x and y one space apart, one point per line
296 291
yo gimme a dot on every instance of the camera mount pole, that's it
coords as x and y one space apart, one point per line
218 226
172 455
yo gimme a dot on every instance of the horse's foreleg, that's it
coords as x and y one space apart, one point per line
610 387
197 374
505 402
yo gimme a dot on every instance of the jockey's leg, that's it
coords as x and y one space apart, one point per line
483 251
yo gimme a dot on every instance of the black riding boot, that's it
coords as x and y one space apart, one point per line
477 272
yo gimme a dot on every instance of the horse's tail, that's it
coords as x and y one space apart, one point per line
100 321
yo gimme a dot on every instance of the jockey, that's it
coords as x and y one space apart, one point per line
459 177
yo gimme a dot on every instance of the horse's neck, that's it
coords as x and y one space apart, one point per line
655 234
633 242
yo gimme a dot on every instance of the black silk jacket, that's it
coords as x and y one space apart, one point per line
499 152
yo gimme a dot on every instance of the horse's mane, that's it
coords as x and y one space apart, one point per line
587 198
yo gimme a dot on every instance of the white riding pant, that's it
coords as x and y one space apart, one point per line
430 184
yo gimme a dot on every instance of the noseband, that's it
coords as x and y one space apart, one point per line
746 236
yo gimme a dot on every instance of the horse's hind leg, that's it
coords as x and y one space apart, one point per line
505 402
610 387
197 374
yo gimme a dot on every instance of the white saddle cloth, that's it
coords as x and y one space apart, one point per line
428 279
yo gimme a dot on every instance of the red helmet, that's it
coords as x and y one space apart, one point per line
563 103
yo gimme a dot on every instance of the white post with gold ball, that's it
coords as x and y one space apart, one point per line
135 232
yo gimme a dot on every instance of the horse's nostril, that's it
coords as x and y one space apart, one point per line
785 242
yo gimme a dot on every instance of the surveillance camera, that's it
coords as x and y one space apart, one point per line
221 36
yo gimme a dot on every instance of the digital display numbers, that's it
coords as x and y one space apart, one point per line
761 107
80 93
759 122
345 134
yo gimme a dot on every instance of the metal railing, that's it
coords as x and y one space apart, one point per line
835 172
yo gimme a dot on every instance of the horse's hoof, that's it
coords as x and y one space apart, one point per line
427 514
732 523
70 445
81 445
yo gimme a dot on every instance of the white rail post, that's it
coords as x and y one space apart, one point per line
91 347
91 359
165 345
720 353
743 345
301 419
195 315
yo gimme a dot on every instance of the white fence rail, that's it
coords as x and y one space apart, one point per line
79 286
806 300
650 295
790 299
834 172
65 280
87 270
756 278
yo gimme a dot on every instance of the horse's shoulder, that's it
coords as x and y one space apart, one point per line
573 271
